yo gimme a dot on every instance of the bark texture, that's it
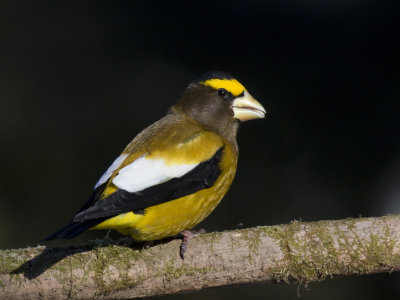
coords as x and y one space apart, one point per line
295 252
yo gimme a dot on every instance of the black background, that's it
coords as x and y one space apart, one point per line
78 80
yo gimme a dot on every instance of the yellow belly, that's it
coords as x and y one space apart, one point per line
171 218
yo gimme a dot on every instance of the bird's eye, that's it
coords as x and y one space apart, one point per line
222 93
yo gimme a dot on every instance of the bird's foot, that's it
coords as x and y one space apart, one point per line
238 226
107 239
187 236
148 244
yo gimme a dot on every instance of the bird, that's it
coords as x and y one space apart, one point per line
175 172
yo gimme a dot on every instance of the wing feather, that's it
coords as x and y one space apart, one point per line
145 172
201 177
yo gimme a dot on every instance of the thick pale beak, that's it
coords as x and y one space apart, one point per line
247 108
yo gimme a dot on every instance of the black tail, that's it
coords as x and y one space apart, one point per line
73 229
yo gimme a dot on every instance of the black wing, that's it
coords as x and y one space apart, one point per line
121 201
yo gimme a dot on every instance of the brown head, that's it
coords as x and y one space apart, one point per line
219 102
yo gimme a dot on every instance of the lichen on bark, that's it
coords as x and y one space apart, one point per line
314 251
297 252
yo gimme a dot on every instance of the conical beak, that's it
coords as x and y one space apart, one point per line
247 108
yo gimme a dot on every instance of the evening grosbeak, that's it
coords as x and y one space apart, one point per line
175 172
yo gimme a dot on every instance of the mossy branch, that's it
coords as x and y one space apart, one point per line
296 252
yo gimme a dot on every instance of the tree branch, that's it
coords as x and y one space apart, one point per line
296 252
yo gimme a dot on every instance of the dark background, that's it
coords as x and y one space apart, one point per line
79 80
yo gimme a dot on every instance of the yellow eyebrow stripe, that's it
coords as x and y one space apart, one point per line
231 85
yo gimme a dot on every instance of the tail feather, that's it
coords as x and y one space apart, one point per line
73 229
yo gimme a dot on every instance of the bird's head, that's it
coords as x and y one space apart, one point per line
217 100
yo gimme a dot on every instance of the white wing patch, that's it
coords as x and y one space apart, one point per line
145 172
107 174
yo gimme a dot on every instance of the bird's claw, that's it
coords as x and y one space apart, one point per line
107 239
238 226
187 236
148 244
